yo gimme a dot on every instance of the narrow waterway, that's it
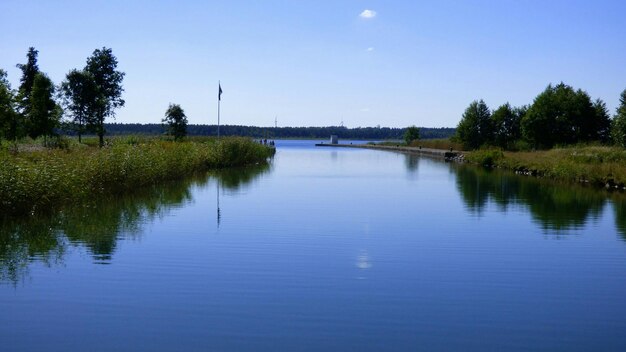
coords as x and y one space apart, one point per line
323 249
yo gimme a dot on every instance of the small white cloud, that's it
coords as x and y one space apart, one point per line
368 14
365 109
370 49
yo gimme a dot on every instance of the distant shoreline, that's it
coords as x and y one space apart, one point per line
310 132
440 153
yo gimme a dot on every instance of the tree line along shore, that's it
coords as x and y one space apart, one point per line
286 132
40 177
86 100
563 134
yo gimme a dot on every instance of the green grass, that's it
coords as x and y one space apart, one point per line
444 143
42 179
597 165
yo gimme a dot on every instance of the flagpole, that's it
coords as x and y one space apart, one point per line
218 108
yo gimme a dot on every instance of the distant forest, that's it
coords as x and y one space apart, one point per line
280 132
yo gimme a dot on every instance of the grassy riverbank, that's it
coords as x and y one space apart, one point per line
39 180
597 165
440 143
444 143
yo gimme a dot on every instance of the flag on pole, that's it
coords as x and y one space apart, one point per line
219 92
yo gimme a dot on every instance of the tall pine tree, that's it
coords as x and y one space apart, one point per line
29 71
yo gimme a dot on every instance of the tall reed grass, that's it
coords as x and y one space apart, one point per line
40 180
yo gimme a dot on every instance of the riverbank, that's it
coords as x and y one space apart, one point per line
40 180
440 153
600 166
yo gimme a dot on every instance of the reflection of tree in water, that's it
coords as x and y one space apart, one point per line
554 206
474 189
619 204
562 208
234 178
20 241
98 225
411 161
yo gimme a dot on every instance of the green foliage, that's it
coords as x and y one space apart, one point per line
411 134
618 127
561 115
558 207
602 122
506 125
102 65
44 112
520 145
29 71
475 128
97 225
31 182
176 122
485 157
7 109
79 93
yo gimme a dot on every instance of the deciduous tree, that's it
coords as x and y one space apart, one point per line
80 97
475 128
102 64
506 125
176 122
6 104
44 112
618 126
411 134
602 125
562 115
11 123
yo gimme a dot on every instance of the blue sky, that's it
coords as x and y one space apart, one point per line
318 63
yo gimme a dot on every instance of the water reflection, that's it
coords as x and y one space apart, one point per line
556 207
363 260
98 226
411 161
620 217
234 178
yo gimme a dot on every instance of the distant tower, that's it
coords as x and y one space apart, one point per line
341 123
276 122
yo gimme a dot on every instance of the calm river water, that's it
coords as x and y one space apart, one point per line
324 249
